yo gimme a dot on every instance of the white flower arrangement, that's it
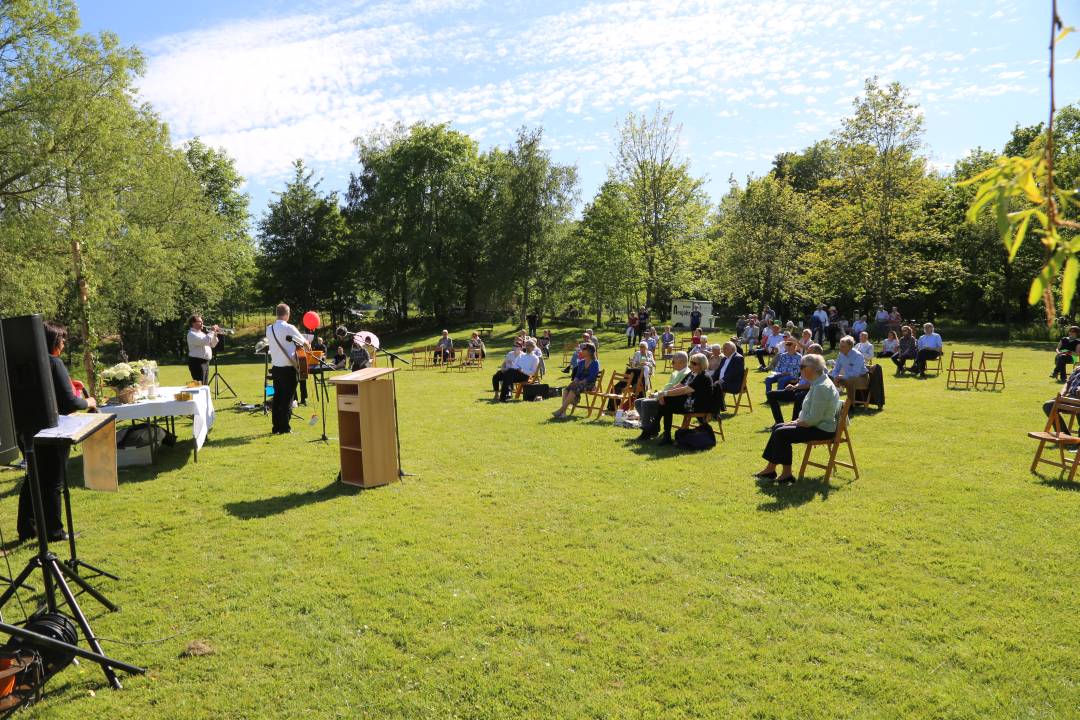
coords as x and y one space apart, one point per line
121 375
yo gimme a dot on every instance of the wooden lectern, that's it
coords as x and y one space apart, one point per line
367 427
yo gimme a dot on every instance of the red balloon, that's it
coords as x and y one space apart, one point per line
311 320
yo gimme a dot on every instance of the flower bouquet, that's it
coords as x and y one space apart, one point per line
123 379
148 381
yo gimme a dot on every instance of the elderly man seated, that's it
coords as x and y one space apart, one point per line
928 348
817 421
727 377
771 346
518 367
787 365
850 369
793 392
648 409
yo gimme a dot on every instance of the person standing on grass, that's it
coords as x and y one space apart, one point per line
643 321
1065 351
631 328
929 347
817 421
281 340
695 318
533 320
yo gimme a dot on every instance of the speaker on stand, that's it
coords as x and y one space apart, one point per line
9 448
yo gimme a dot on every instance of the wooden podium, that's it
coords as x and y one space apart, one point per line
367 427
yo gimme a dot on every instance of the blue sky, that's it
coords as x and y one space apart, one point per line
272 80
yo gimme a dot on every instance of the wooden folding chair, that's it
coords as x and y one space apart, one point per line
420 358
704 419
520 387
598 398
961 372
1063 415
584 395
840 438
935 364
990 374
744 392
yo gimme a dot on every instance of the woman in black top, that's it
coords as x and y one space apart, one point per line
694 395
1065 350
51 460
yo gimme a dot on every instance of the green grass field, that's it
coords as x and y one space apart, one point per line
538 569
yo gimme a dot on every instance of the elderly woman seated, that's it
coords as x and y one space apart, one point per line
817 421
693 394
586 371
787 365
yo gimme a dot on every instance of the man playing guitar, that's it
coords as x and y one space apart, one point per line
282 340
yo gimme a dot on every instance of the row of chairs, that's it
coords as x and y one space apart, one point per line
963 375
422 358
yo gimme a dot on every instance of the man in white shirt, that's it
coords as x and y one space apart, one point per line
774 340
522 367
200 348
929 347
281 340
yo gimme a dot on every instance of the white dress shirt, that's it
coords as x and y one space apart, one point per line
280 357
527 363
199 344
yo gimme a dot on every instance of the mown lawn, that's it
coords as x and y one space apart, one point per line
539 569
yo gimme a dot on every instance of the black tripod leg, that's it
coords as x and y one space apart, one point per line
74 564
19 581
73 606
86 587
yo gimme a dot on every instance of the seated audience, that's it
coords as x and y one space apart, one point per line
858 326
648 409
716 356
520 364
787 365
750 334
771 341
794 392
1066 349
667 339
865 347
889 346
545 343
340 358
639 369
1071 389
906 348
652 340
444 348
929 348
477 351
806 340
583 379
850 368
728 376
817 421
693 395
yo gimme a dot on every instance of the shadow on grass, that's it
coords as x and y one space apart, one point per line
790 495
255 509
1057 482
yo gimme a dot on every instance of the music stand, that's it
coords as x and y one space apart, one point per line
71 430
322 394
216 378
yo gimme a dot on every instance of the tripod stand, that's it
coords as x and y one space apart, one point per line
217 379
56 575
322 393
74 563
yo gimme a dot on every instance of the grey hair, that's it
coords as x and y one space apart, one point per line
730 346
714 346
848 339
928 325
814 361
681 355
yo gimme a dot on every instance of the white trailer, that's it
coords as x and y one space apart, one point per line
681 309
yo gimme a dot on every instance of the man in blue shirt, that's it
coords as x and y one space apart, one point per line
928 348
850 368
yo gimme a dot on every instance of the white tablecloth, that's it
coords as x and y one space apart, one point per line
200 408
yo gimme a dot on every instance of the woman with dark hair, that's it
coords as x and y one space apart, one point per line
586 371
200 348
50 460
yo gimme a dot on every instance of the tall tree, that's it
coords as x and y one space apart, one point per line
668 202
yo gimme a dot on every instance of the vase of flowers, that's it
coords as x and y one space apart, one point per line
123 379
148 377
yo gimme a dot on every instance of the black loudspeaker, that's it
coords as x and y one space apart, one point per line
9 450
33 399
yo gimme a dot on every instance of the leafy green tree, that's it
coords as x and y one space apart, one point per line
608 270
302 239
668 203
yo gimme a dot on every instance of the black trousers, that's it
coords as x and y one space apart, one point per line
761 354
503 381
921 358
669 408
303 391
199 369
778 449
785 395
284 392
1061 364
50 463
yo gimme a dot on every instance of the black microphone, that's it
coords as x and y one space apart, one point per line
289 338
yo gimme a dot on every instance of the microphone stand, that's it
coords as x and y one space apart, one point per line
323 366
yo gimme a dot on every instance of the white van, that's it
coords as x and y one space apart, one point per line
681 309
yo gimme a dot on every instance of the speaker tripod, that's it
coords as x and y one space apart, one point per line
56 575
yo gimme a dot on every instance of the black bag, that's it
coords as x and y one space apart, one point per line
554 392
535 391
699 438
